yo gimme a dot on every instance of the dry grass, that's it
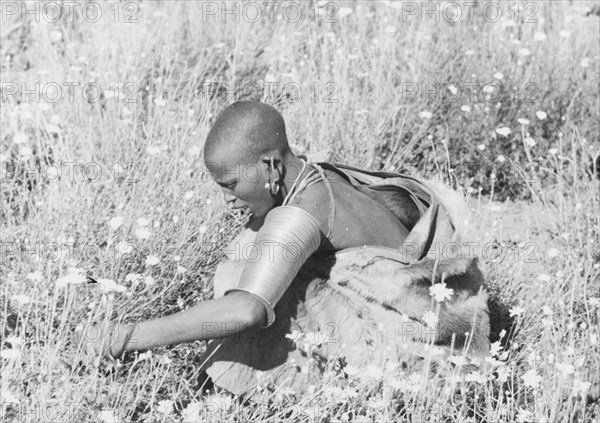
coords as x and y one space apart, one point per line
554 226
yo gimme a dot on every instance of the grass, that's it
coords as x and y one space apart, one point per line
540 211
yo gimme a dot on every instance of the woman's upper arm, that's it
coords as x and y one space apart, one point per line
288 237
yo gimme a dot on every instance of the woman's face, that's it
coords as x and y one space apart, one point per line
243 185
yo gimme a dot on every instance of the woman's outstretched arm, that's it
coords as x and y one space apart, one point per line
210 319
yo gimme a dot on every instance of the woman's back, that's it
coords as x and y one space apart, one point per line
358 219
368 303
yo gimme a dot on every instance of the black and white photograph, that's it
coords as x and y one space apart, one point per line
307 211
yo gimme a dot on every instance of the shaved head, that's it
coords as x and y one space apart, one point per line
246 131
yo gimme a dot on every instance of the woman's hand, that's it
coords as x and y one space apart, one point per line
102 340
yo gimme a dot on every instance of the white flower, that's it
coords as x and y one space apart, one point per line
585 62
165 407
20 138
188 195
503 374
351 370
181 270
580 387
425 115
152 150
565 368
564 33
531 378
372 371
523 121
109 416
25 153
74 276
152 260
457 360
524 416
203 229
547 310
541 115
539 36
516 311
524 52
390 29
504 131
108 285
469 52
142 233
475 377
295 335
35 276
133 278
495 348
544 278
440 292
489 90
56 36
553 151
52 128
498 75
553 252
149 280
465 108
123 248
377 403
452 88
13 340
481 147
10 354
119 168
432 350
430 319
160 102
315 338
529 141
145 356
142 221
345 11
191 414
115 223
501 158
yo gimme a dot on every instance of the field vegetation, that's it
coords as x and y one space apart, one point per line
110 183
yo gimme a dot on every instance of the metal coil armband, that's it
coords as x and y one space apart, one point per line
288 237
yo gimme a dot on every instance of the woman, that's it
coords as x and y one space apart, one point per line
345 255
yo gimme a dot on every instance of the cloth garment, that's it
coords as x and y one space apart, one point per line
364 305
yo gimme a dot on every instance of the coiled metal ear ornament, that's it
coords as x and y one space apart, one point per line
274 175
